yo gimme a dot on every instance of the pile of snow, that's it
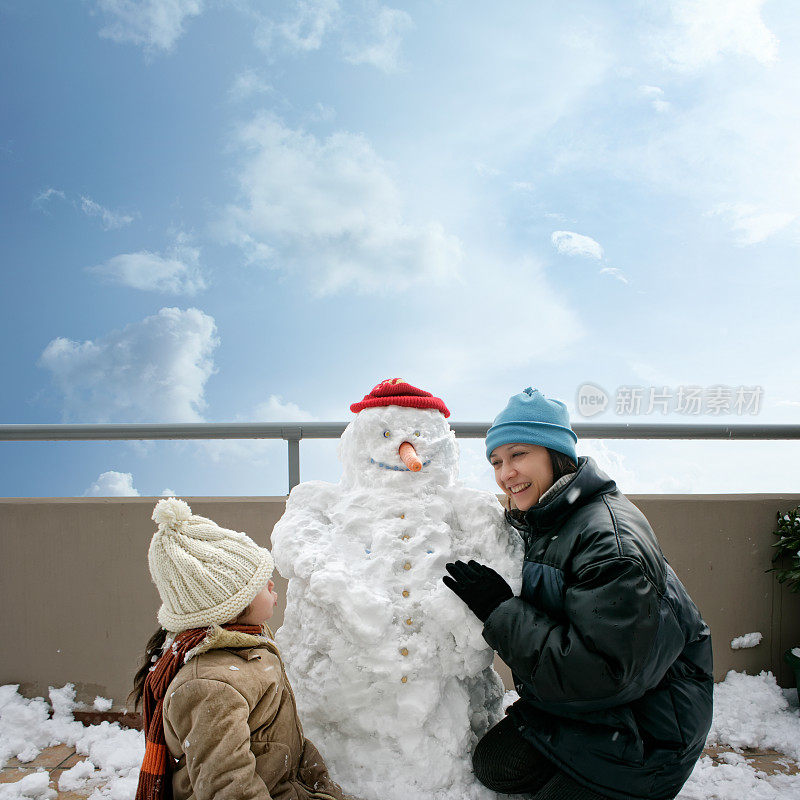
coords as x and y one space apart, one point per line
737 781
748 640
102 704
750 711
113 754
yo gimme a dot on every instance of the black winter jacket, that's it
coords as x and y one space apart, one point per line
611 658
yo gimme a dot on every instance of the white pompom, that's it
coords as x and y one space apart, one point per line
171 512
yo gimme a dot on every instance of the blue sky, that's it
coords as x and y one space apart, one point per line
235 210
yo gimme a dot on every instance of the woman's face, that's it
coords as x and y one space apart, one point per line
523 471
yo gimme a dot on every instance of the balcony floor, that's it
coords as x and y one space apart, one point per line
61 757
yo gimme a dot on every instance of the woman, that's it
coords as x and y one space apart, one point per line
610 656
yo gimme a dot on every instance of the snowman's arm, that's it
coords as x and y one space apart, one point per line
484 535
301 537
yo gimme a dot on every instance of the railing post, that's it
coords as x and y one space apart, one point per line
293 437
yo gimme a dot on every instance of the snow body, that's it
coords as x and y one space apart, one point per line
390 669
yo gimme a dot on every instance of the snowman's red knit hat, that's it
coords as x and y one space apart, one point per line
396 392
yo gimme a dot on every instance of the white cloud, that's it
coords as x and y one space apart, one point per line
168 493
752 224
275 409
614 272
322 113
655 95
303 29
177 272
46 195
485 171
311 21
705 30
247 84
112 484
379 41
365 32
474 333
729 145
790 403
109 219
650 373
576 244
331 210
154 24
257 452
150 371
473 468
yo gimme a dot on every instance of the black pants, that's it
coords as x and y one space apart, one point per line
506 762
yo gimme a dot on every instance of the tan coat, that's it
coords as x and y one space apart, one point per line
231 721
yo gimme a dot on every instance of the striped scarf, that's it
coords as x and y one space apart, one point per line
155 776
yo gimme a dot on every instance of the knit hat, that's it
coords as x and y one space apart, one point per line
205 575
531 418
396 392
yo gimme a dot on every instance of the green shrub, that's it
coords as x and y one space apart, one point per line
788 544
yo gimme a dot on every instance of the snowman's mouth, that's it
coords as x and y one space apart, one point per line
395 467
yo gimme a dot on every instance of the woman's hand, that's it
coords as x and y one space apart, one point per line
479 586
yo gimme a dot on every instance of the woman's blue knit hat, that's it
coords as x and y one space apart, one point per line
531 418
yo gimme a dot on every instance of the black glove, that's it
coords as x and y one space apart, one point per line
479 586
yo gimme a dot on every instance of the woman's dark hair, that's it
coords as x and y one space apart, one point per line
155 644
562 465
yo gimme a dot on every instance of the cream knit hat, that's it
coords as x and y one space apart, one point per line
206 575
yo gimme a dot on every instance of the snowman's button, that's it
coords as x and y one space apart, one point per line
405 592
402 516
408 621
404 679
405 537
404 651
407 565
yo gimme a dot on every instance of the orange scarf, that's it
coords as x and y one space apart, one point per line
155 776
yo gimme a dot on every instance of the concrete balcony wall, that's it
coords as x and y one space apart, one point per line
78 604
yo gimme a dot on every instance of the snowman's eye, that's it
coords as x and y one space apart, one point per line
416 433
387 434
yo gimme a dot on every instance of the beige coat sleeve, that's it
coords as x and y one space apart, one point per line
210 718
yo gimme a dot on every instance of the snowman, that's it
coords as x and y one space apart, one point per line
392 675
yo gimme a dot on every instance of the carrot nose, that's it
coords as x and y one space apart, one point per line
409 457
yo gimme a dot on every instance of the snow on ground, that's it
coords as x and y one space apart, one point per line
26 729
750 711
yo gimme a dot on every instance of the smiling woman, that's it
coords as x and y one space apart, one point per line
530 457
610 656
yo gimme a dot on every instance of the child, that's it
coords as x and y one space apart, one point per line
220 719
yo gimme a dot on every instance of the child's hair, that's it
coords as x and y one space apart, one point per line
154 646
152 651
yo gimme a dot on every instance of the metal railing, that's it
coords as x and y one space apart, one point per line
293 433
